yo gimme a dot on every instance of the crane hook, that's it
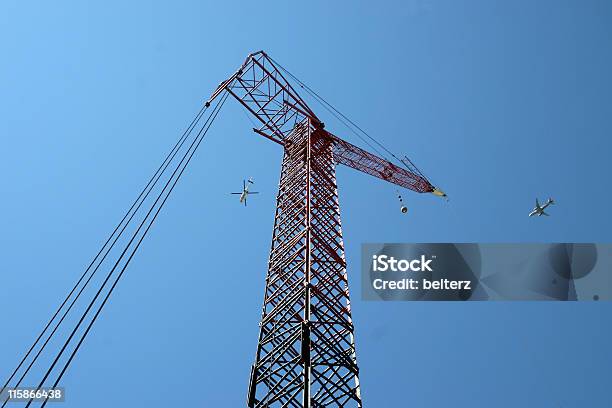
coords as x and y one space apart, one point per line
403 208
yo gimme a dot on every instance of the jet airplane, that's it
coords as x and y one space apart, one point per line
539 209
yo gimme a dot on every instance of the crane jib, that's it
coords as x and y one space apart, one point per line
260 86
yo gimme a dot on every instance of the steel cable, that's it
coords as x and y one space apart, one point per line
140 200
183 163
150 184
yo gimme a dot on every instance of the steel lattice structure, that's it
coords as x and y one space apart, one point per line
306 350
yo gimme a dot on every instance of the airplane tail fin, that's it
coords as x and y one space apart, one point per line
550 200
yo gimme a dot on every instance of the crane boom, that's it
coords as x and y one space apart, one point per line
260 86
362 160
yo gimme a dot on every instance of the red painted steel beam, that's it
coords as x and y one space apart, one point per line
362 160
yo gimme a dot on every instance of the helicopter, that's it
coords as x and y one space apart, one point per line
245 190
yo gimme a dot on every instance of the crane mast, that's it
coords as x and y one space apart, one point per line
306 348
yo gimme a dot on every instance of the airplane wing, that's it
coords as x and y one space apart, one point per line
235 193
543 213
253 192
537 203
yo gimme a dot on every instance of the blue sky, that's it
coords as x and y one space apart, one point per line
498 102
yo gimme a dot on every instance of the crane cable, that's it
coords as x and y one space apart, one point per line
132 210
135 207
120 228
172 181
186 159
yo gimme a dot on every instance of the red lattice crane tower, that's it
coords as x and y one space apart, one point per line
306 350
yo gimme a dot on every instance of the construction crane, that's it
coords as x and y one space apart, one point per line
306 350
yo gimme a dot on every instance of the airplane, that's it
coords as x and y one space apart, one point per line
245 190
539 209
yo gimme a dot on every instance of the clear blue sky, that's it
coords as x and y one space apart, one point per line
499 102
